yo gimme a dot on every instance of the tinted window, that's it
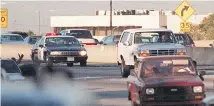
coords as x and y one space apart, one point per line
11 38
154 37
80 33
124 37
61 41
9 66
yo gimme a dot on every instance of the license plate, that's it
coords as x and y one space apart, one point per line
70 58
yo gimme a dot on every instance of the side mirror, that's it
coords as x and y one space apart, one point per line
201 74
41 46
28 70
195 64
126 44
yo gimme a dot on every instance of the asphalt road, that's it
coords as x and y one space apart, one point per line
107 83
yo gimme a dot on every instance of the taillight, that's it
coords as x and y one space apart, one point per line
90 43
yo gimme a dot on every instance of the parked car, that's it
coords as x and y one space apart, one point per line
185 39
161 80
140 43
110 40
82 35
59 49
32 39
23 34
12 39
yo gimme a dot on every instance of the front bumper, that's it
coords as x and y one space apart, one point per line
174 100
65 59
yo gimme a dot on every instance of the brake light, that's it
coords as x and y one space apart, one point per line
90 43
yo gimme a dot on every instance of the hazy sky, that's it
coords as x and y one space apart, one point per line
23 15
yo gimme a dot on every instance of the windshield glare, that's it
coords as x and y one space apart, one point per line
176 67
154 37
61 41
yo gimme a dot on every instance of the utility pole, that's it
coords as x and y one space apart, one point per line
39 21
111 16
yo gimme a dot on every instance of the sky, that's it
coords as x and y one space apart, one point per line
24 15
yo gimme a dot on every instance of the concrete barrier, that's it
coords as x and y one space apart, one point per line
107 54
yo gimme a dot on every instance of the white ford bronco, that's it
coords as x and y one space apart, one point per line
139 43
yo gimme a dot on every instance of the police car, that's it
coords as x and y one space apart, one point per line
59 49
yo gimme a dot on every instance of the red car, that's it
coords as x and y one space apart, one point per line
165 80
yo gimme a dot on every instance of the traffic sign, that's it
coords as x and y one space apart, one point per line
4 18
184 10
185 26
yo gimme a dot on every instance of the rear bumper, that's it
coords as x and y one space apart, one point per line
196 102
64 59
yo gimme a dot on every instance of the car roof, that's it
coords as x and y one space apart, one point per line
58 36
77 29
10 34
163 57
147 29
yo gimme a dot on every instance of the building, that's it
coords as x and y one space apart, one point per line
99 24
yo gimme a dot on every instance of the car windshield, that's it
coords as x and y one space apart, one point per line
9 66
116 38
11 38
154 37
33 40
80 33
175 67
61 41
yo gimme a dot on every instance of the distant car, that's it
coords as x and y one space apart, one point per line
83 35
110 40
185 39
208 101
32 39
161 80
23 34
10 70
59 49
12 39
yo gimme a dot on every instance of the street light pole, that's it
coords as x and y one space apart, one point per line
111 16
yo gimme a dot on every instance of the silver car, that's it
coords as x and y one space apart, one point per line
12 39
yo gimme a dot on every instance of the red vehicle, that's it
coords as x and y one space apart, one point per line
166 80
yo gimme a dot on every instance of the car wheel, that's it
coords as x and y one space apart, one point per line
83 63
70 64
125 69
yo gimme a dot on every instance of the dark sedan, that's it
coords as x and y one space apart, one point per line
59 49
171 80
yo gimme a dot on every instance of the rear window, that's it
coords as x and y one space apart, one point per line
9 66
11 38
23 34
80 33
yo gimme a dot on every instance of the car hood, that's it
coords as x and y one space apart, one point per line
159 46
173 81
65 48
15 76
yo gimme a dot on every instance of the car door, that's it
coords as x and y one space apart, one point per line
41 49
129 50
122 47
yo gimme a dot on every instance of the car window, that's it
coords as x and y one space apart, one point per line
32 40
61 41
80 33
116 38
169 67
9 66
154 37
11 38
130 39
109 40
124 37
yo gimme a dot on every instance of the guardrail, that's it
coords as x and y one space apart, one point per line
108 54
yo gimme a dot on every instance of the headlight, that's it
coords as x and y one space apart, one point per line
181 51
150 91
82 53
197 89
144 53
56 53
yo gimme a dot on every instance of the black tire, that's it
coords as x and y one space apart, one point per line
70 64
83 63
125 69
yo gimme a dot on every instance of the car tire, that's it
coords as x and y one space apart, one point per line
70 64
83 63
125 69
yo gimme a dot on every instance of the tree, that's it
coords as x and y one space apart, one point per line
30 33
203 31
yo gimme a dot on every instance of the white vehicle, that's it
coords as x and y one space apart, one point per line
139 43
12 39
83 35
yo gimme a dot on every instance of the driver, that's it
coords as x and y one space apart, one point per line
150 69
